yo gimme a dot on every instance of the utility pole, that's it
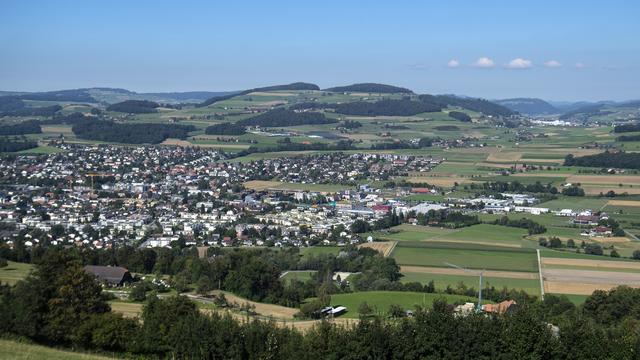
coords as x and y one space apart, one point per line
478 273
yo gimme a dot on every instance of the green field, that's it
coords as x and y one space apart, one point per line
481 234
316 250
382 299
442 281
474 258
22 351
13 272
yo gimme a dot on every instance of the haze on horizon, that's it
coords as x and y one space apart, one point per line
570 50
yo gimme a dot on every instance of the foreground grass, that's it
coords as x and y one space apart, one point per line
14 272
17 350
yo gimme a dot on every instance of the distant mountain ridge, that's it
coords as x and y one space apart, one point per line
370 88
529 106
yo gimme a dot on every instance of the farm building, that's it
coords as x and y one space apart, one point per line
109 275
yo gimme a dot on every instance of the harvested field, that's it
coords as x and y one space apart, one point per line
176 142
591 277
554 287
623 203
451 271
446 181
550 174
591 263
260 185
504 156
128 310
263 309
597 189
605 179
612 240
384 247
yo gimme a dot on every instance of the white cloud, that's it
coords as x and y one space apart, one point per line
453 63
484 62
552 64
579 65
519 63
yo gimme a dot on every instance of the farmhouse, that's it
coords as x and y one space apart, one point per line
504 307
109 275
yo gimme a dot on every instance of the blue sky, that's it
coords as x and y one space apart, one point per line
556 50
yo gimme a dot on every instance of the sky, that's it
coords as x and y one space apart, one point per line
555 50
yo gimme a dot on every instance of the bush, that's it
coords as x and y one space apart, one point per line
3 262
593 249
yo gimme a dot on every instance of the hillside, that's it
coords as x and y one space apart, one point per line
370 88
134 107
528 106
292 86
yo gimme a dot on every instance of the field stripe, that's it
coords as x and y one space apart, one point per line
450 271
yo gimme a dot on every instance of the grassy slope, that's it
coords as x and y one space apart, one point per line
13 272
16 350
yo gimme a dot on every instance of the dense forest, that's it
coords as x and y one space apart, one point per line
12 146
531 106
370 88
386 108
69 119
225 129
620 159
480 105
140 133
626 128
134 107
459 115
25 127
75 95
283 117
292 86
60 304
628 138
33 111
10 103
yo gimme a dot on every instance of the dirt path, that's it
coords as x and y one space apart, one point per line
450 271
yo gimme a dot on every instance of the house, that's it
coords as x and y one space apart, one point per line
586 220
109 275
600 231
501 308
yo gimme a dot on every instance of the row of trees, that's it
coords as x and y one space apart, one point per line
33 111
633 127
524 223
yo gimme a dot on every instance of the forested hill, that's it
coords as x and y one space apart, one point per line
134 107
370 88
474 104
529 106
292 86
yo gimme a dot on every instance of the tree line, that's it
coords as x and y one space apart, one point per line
370 88
404 107
633 127
13 146
292 86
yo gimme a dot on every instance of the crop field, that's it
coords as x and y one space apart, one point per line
381 300
582 275
264 185
477 234
475 258
384 247
441 281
